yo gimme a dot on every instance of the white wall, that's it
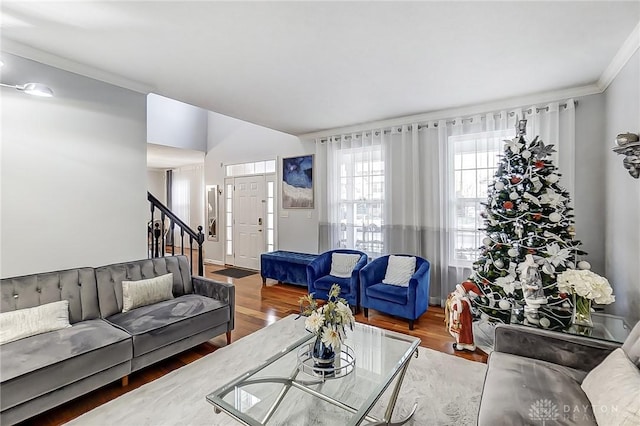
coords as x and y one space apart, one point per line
176 124
590 179
234 141
622 199
156 184
73 172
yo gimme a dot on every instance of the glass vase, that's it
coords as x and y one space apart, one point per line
323 355
581 311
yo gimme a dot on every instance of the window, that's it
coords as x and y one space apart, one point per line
254 168
361 201
473 161
229 218
270 215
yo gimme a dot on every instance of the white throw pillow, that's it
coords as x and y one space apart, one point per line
16 325
146 292
400 269
613 388
342 264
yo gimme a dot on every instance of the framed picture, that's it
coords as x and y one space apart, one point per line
297 182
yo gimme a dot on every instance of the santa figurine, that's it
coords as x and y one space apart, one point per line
458 316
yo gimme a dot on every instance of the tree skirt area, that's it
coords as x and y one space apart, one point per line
446 388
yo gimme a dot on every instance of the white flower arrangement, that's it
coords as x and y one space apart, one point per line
330 320
587 284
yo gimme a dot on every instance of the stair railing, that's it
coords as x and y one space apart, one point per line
157 233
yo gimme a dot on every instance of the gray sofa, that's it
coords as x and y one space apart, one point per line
532 366
103 344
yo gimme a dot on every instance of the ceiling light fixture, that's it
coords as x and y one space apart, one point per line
35 89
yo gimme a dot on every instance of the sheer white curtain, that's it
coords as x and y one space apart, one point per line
352 213
417 186
188 197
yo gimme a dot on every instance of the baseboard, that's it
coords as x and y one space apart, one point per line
214 262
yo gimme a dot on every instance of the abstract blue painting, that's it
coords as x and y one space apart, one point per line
297 182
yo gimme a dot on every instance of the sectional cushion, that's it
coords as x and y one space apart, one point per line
39 364
615 382
15 325
514 386
164 323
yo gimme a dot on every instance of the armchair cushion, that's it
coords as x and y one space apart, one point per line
325 283
400 269
390 293
342 264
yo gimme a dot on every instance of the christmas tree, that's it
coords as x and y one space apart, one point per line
529 239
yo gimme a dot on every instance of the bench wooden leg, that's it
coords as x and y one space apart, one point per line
228 337
125 381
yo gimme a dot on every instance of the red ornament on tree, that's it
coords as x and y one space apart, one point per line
515 180
539 164
563 295
537 216
508 205
531 251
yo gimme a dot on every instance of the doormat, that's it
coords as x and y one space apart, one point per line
235 272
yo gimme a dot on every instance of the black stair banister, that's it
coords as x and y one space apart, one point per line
157 232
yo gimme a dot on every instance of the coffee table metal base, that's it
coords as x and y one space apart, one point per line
302 385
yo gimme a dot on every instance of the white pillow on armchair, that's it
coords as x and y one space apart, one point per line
400 269
342 264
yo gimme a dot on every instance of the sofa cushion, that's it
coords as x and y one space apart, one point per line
39 364
516 387
78 286
163 323
325 283
21 323
109 279
613 388
390 293
146 292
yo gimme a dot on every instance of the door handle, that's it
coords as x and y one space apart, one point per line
259 221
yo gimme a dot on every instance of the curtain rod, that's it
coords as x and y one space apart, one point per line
452 122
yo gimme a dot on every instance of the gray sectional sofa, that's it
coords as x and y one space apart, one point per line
531 367
103 344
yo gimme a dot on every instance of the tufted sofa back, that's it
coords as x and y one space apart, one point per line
78 286
109 279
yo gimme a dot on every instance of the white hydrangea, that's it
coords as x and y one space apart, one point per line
586 284
314 322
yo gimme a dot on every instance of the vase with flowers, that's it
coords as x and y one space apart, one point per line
328 323
586 288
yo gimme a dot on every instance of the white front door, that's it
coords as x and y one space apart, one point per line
248 207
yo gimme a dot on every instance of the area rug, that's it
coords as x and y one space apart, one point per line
446 388
235 272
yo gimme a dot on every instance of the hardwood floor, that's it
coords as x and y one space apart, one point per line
256 307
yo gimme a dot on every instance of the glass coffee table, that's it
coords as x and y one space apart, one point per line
281 392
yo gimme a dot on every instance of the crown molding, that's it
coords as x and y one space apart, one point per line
29 52
484 108
626 51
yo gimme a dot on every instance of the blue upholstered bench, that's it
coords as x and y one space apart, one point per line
285 266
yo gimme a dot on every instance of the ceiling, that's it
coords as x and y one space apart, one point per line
300 67
167 157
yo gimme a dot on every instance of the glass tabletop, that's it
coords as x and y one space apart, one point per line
605 327
278 393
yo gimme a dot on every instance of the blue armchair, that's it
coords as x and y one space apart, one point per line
319 281
406 302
